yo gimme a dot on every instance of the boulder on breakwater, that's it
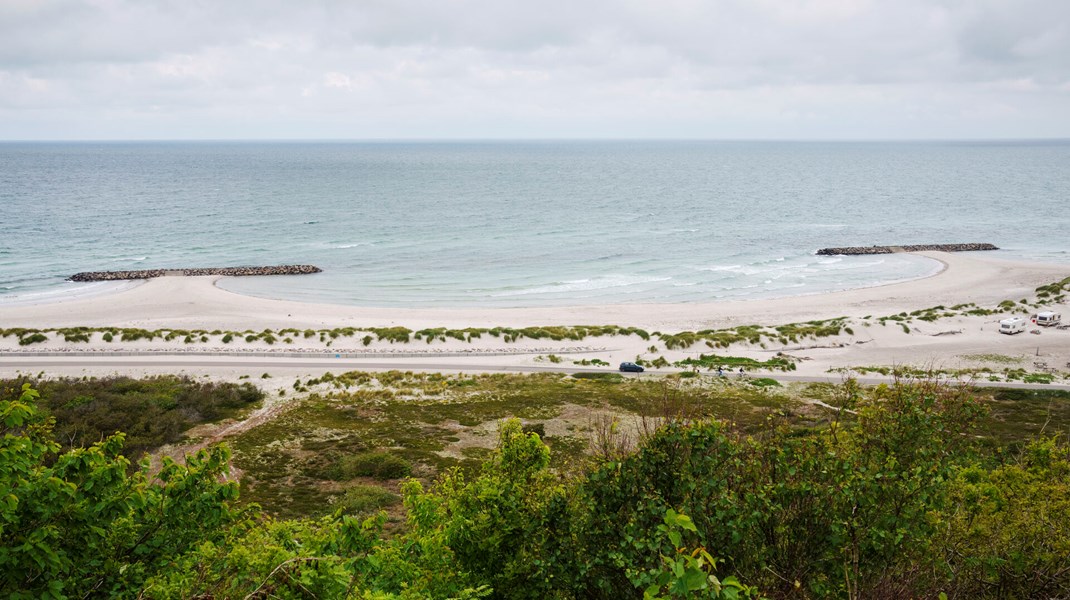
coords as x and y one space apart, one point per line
861 250
227 271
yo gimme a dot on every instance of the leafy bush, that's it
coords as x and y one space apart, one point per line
365 499
710 361
789 505
33 338
380 465
153 411
76 524
1008 529
892 501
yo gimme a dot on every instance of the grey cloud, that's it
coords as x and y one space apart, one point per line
1026 38
556 67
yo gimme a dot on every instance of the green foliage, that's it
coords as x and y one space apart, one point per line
380 465
888 499
835 510
77 524
33 338
153 411
278 559
1054 292
712 361
755 334
685 574
365 500
74 335
603 377
508 527
1038 378
1008 529
393 334
596 362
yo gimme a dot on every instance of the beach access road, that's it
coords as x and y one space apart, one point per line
233 367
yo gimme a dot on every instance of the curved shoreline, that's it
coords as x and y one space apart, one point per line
196 302
939 267
60 296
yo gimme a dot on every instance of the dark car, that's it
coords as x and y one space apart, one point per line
629 367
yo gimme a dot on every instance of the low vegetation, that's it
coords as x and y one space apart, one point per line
435 422
978 374
714 361
152 412
897 495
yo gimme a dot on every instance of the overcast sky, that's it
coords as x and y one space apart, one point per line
373 69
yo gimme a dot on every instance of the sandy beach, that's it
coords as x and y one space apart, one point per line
197 303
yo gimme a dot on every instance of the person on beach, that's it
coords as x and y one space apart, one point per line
741 373
720 371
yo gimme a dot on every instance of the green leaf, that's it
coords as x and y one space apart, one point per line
695 579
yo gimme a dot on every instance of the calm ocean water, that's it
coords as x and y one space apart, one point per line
521 223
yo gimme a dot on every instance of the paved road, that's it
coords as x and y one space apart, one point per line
341 364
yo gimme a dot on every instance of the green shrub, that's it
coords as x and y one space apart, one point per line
710 361
33 338
1008 530
603 377
365 499
764 382
380 465
152 411
597 362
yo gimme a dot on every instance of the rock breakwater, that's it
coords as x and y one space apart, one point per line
227 271
862 250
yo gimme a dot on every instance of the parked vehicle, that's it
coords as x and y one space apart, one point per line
1047 318
630 367
1012 325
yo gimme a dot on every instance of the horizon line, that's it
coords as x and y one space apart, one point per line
531 139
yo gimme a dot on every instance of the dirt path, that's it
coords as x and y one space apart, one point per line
206 434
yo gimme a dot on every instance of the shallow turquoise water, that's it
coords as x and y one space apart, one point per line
522 223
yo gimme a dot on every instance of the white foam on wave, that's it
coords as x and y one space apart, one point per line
583 285
68 291
130 259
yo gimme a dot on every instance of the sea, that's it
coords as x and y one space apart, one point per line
520 223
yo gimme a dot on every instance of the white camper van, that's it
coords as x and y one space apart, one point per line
1012 325
1047 318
